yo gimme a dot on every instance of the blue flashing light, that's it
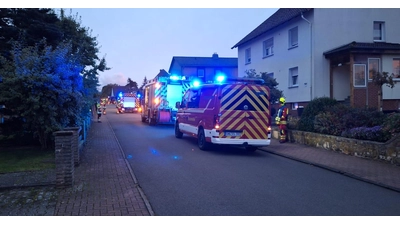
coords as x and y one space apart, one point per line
174 77
120 94
138 95
220 78
196 83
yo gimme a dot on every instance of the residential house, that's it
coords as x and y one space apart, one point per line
204 68
327 52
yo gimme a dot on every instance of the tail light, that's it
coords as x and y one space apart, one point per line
216 122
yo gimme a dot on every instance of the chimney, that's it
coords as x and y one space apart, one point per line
215 55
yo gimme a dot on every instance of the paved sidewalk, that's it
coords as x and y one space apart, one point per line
104 182
373 171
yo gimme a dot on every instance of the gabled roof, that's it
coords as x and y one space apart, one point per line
361 47
281 16
214 61
162 73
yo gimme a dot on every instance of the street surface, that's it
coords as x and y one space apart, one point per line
178 179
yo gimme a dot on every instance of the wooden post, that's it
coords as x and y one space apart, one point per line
351 81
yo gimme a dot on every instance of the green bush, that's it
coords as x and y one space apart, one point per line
316 106
358 123
391 125
293 122
332 121
361 117
367 133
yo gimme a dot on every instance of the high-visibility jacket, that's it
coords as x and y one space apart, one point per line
283 113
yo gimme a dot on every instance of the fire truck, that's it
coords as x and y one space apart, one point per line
159 97
130 101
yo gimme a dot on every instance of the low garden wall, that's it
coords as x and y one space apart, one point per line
388 151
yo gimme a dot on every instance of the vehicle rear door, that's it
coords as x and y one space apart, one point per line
244 111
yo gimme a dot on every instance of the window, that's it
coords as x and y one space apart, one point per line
293 38
359 75
379 31
200 72
293 77
268 47
193 98
295 105
396 68
207 96
247 56
373 66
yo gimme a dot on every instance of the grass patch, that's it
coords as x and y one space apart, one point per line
22 159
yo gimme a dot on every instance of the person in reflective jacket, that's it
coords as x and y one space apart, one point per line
281 120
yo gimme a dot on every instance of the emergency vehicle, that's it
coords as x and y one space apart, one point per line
159 97
235 112
130 101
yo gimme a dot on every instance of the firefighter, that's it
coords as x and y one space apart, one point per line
281 120
119 107
98 112
104 108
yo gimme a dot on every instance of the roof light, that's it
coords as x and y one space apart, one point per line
220 78
196 83
174 77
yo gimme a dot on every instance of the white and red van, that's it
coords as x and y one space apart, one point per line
233 113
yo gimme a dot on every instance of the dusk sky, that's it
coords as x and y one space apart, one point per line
139 39
137 43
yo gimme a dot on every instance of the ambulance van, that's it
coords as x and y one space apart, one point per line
236 112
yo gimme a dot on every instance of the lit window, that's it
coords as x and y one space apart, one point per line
268 47
293 38
247 56
379 31
373 66
359 74
295 105
293 77
396 68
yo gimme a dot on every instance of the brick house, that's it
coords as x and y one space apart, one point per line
327 52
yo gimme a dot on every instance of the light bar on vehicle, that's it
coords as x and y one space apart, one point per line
220 78
196 83
245 80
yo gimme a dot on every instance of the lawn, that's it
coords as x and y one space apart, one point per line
30 158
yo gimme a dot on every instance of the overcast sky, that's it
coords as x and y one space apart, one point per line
137 43
139 39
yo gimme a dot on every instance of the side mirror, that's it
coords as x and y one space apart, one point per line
177 105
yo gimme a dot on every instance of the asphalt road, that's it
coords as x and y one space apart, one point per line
178 179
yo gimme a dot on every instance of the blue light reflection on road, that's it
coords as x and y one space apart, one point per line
157 153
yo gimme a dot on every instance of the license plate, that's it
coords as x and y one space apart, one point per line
233 134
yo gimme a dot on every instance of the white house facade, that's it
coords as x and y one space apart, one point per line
326 52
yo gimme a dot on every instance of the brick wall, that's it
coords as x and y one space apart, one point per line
75 143
64 158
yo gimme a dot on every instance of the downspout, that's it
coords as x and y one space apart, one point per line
311 58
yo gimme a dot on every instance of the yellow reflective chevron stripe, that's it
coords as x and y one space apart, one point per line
245 109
